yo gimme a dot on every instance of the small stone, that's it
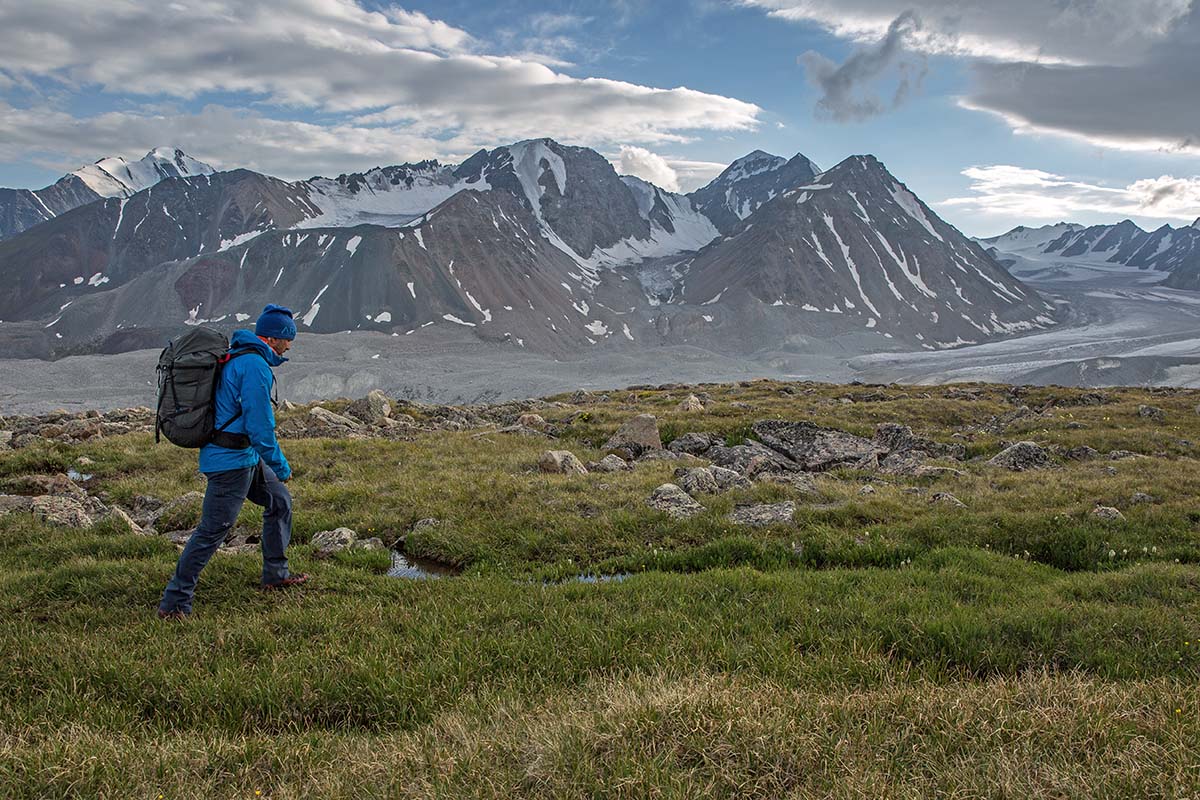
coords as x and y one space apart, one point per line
327 543
535 421
697 480
326 417
1141 498
561 462
65 511
1107 513
1022 456
374 543
696 444
636 436
674 501
1081 453
728 479
764 514
947 499
123 520
609 463
84 461
867 490
1152 413
690 404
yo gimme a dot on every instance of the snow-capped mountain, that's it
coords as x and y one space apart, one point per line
747 184
855 250
537 244
1166 249
21 209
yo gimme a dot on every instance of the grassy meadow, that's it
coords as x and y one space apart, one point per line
881 645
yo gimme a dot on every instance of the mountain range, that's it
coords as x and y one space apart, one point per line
536 244
1166 249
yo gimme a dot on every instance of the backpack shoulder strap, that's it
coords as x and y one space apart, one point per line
230 356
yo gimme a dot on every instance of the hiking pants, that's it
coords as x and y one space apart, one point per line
223 500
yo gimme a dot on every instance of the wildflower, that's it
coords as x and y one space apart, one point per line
1112 553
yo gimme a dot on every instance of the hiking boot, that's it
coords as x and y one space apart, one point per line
173 616
286 583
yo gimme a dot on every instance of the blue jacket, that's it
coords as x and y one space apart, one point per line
246 384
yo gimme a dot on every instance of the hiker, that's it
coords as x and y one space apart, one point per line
242 461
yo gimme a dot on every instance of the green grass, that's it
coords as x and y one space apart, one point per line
879 646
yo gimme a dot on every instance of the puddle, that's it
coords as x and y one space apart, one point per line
418 569
79 477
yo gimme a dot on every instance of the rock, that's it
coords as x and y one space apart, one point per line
696 480
6 438
1022 456
813 447
146 508
1140 498
636 436
674 501
751 459
696 444
609 463
562 462
327 543
896 438
764 514
24 440
1081 453
288 405
534 421
374 543
947 499
15 504
66 511
84 461
323 416
123 520
728 479
1107 513
1151 412
902 463
691 403
660 455
1121 455
370 409
867 490
800 481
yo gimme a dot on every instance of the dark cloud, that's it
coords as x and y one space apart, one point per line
1148 105
847 93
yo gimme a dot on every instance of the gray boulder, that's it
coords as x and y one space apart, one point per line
325 417
1107 513
690 404
1022 456
728 479
764 514
326 543
751 459
636 436
609 463
561 462
697 480
816 448
1152 413
58 510
695 444
370 409
674 501
947 499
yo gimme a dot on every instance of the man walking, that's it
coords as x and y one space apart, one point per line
243 461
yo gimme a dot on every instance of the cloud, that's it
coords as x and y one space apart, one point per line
845 97
1114 73
1070 31
641 163
401 75
1009 191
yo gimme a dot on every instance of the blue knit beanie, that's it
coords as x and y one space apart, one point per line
275 322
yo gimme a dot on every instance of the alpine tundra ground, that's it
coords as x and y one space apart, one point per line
879 645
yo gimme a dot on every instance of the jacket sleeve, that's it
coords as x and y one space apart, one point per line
259 416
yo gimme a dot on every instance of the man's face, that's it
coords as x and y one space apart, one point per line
280 346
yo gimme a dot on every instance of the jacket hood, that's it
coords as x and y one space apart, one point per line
247 340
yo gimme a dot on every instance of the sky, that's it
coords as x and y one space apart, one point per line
996 114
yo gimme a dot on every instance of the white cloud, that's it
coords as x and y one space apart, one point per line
1096 31
401 76
641 163
1010 191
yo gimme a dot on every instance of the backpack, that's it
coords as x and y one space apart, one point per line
189 370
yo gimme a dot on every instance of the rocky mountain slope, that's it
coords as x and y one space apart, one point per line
535 243
21 209
1166 249
854 249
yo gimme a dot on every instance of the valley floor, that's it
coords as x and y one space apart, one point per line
883 643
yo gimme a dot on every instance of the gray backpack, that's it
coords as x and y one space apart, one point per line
189 370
